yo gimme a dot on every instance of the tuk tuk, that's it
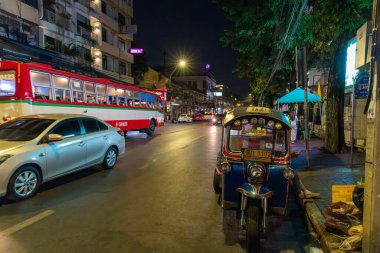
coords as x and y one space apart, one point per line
253 172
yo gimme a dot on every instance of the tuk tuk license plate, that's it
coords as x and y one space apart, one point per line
257 155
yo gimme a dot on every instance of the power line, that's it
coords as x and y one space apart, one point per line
285 44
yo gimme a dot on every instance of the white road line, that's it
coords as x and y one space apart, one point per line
25 223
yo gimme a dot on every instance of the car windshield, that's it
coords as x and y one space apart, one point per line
258 137
24 129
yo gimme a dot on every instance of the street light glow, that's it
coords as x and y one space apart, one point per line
182 63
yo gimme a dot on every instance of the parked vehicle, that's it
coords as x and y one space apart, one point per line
199 117
253 170
208 116
38 148
185 118
218 119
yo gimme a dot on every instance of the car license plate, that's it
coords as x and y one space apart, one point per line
257 155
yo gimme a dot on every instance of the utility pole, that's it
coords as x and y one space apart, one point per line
305 104
371 216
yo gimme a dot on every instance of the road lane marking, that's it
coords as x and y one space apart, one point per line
26 223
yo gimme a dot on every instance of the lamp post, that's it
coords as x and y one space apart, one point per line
182 64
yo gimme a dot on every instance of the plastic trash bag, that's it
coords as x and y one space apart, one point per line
351 243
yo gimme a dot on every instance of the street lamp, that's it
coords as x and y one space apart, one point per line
180 64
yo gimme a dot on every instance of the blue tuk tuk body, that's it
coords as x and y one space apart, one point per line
253 171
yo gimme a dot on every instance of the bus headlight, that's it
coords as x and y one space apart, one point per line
288 173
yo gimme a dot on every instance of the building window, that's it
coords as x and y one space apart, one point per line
121 45
32 3
105 62
53 44
121 19
104 7
104 35
122 68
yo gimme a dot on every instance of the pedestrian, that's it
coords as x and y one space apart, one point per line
294 122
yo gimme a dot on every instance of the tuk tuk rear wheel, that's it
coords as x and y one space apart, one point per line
216 183
253 229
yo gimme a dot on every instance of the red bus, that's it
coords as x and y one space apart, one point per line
35 88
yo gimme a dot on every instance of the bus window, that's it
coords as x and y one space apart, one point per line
78 94
101 94
153 101
129 97
143 99
90 92
136 99
111 94
160 105
41 85
61 88
7 83
121 96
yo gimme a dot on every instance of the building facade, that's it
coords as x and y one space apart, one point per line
86 33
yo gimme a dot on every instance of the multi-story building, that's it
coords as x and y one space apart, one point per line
203 82
85 33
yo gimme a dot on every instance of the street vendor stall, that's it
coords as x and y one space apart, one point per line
300 96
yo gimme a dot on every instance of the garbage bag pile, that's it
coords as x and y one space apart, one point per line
345 219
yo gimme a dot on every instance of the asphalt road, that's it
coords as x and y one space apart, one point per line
159 198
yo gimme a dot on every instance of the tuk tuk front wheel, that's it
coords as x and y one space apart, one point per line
253 229
216 183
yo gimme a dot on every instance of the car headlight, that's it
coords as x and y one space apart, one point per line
255 170
3 158
288 173
214 120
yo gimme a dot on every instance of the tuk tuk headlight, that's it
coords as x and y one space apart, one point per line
225 167
255 170
288 173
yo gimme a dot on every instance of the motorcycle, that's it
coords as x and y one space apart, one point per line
253 172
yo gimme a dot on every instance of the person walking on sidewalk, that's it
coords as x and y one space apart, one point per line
294 122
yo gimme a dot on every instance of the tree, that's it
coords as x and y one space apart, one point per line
259 29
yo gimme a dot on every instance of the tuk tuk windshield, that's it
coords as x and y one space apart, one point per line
258 137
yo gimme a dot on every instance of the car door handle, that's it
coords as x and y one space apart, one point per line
81 144
105 137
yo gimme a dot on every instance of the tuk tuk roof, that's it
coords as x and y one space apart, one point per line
256 110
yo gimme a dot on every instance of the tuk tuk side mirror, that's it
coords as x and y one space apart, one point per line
295 154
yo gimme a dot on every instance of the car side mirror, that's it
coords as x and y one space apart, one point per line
54 137
295 154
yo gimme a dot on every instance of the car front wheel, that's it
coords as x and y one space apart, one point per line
110 158
24 183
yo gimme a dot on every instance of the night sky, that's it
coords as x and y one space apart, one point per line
191 29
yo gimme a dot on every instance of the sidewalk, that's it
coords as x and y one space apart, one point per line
326 170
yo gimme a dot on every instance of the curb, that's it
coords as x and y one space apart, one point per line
316 223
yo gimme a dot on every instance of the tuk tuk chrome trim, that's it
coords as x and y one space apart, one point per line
253 191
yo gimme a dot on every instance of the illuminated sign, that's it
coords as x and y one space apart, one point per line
137 50
350 63
218 94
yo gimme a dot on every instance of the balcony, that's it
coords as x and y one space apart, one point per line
61 19
88 5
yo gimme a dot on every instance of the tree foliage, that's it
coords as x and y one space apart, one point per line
325 27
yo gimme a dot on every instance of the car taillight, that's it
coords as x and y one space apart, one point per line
121 132
8 118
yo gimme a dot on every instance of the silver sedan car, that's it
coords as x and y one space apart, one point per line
38 148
